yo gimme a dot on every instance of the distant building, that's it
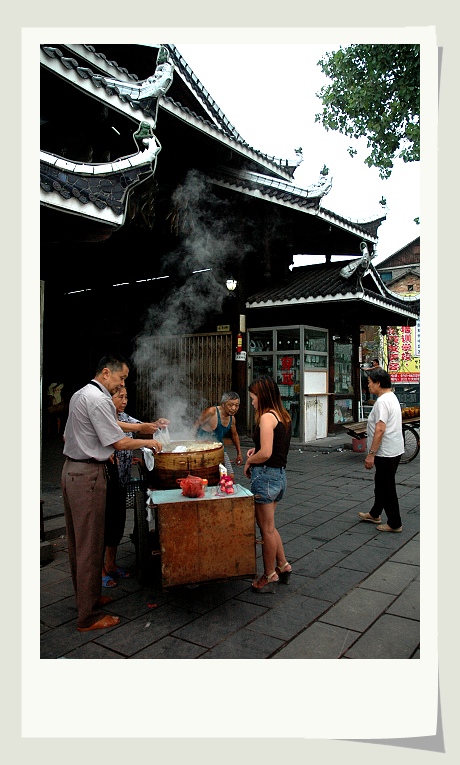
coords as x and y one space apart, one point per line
400 272
399 346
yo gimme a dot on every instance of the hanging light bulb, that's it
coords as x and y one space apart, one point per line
231 284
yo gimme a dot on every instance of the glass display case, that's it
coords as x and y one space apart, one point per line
285 353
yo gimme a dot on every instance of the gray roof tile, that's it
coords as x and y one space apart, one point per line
324 281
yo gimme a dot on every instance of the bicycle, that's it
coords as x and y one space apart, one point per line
411 442
410 435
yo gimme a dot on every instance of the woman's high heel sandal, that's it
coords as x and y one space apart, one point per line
260 584
284 572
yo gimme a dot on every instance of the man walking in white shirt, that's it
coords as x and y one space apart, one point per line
384 434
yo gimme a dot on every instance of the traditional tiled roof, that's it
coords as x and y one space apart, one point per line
124 92
325 282
272 187
287 194
367 227
287 166
140 96
106 87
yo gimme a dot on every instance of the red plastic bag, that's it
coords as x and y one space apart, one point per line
226 484
192 486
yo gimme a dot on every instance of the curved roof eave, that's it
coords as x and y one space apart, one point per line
361 296
96 191
406 298
385 291
303 300
74 207
308 205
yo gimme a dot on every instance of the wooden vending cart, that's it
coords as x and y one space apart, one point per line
211 538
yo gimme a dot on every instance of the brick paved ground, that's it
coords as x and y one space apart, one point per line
354 593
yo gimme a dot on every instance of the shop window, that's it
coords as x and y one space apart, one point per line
288 379
261 341
343 373
315 340
315 347
262 365
315 361
287 369
343 410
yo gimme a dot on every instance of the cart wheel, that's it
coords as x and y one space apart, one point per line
411 444
142 540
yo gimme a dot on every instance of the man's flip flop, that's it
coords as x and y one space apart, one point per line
102 624
120 573
106 580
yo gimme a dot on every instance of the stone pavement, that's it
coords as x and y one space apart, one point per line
353 594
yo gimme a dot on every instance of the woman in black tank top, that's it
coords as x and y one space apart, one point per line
265 466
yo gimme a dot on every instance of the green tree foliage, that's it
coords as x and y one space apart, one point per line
375 92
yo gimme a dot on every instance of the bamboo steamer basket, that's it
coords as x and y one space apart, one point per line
169 466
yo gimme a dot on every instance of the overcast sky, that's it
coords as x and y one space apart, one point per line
268 92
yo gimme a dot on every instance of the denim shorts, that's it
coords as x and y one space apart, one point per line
268 484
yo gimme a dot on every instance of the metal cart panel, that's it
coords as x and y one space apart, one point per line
206 539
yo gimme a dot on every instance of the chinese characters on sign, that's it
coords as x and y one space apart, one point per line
287 372
403 354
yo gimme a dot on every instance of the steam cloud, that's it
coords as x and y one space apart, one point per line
209 240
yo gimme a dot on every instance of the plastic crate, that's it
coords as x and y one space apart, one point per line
134 485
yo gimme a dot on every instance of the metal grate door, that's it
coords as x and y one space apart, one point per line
180 375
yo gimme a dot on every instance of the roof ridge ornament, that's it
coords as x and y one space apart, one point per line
358 267
154 86
323 186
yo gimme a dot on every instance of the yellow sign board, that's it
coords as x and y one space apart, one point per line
402 353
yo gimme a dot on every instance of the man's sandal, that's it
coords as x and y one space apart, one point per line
284 572
260 584
386 527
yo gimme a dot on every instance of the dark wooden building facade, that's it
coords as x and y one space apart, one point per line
153 201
